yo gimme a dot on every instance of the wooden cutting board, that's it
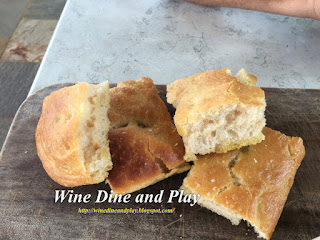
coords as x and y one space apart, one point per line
27 194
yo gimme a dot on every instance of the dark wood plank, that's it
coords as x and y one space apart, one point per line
27 193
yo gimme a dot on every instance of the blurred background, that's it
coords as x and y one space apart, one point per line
26 27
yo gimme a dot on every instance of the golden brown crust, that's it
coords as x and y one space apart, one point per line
254 181
144 143
57 139
246 78
208 91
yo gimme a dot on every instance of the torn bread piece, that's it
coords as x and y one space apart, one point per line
71 135
251 183
246 78
144 144
216 112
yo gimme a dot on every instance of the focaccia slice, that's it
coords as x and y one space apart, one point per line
251 183
216 112
144 144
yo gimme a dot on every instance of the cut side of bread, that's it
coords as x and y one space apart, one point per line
93 132
71 135
251 183
216 112
224 129
144 143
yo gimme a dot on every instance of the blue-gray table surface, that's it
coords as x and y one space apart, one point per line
165 40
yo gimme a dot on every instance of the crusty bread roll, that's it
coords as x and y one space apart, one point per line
144 143
216 112
251 183
71 135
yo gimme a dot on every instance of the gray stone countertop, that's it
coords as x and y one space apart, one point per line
97 40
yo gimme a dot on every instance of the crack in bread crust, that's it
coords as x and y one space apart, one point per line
251 183
150 149
223 189
161 164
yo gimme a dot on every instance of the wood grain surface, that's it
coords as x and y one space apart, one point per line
27 194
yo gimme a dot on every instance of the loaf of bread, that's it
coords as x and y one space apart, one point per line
251 183
144 144
71 135
216 112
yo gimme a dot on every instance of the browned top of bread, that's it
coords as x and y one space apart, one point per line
254 181
144 144
246 78
208 91
56 138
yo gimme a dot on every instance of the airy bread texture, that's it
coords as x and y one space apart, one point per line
216 112
144 143
71 135
251 183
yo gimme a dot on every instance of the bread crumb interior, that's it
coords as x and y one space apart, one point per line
219 130
94 127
